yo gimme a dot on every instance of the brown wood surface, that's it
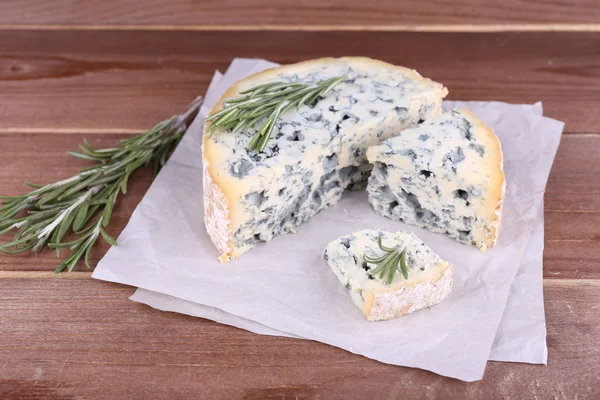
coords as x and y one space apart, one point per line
74 337
71 337
283 13
130 79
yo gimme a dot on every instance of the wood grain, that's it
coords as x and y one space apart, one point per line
131 79
78 338
572 200
74 337
571 185
284 13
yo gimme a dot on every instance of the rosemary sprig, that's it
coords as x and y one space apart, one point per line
388 263
83 203
266 103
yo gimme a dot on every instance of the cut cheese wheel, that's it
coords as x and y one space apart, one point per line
314 153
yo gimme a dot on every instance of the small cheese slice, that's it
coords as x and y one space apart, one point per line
429 277
314 153
445 175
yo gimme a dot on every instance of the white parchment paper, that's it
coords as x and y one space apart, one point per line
285 285
521 336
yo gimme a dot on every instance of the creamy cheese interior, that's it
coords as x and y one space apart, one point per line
444 175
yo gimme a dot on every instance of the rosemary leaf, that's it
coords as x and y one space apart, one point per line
108 208
74 258
384 248
91 212
88 251
403 265
108 238
84 156
80 216
17 249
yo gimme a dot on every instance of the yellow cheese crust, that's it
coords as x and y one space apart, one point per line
387 304
497 183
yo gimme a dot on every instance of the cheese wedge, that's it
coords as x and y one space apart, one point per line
446 175
429 277
314 153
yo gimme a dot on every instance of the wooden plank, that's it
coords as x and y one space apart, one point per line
258 13
571 201
130 79
571 185
572 204
564 259
85 339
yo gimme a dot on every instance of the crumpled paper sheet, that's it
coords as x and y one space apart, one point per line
285 285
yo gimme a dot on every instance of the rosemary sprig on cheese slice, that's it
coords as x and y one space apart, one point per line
83 204
266 103
389 263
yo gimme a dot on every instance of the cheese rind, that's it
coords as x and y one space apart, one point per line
445 175
429 277
314 153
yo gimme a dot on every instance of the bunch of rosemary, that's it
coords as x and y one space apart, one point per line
83 203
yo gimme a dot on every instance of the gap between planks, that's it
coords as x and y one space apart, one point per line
71 131
375 28
549 282
44 275
112 131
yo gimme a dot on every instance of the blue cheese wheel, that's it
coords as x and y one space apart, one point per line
429 277
445 175
314 153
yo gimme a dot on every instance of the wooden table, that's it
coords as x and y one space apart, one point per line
71 70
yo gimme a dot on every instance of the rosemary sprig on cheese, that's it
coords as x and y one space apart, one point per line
266 103
83 203
395 259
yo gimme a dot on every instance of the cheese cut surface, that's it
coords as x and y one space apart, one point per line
314 153
429 277
445 175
